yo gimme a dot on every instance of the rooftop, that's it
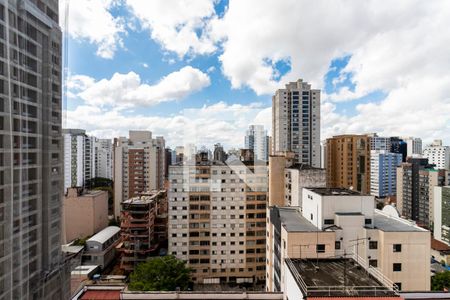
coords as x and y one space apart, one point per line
104 235
334 192
293 221
146 198
439 246
335 277
384 222
300 166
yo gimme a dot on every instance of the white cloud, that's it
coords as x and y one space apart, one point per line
219 122
127 90
176 25
91 20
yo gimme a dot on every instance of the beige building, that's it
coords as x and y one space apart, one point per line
138 166
348 162
340 223
85 212
287 179
217 214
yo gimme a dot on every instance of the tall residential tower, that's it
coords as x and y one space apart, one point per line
296 122
257 140
31 156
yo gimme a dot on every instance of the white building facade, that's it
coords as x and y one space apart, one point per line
413 146
79 158
103 158
256 139
438 155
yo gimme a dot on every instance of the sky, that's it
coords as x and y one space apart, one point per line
201 71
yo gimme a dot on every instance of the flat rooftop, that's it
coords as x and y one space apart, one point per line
146 198
334 192
300 166
335 277
388 223
293 221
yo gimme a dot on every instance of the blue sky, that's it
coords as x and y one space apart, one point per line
125 55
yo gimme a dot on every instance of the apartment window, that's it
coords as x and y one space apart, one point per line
399 285
397 247
368 221
397 267
373 245
328 221
337 245
320 248
373 263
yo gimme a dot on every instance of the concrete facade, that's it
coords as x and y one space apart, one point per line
416 180
85 213
217 217
103 158
438 155
296 122
297 177
348 162
31 152
414 146
138 166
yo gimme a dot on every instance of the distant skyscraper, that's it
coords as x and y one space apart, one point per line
31 152
383 172
138 166
416 180
79 158
438 155
103 152
296 122
257 140
348 162
414 146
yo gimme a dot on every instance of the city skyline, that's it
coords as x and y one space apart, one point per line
364 89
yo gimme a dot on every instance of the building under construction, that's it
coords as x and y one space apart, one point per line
143 223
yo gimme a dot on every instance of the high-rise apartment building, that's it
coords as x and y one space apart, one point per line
103 153
257 140
441 220
438 155
416 180
217 217
138 166
414 146
31 156
79 158
383 172
348 162
296 122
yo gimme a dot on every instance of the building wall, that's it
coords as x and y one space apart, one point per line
216 223
348 162
257 140
138 166
86 214
31 147
103 158
292 290
438 155
383 173
277 165
296 122
296 180
414 146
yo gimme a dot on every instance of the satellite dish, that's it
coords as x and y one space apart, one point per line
391 211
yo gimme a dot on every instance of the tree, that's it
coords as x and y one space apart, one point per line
440 281
164 273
